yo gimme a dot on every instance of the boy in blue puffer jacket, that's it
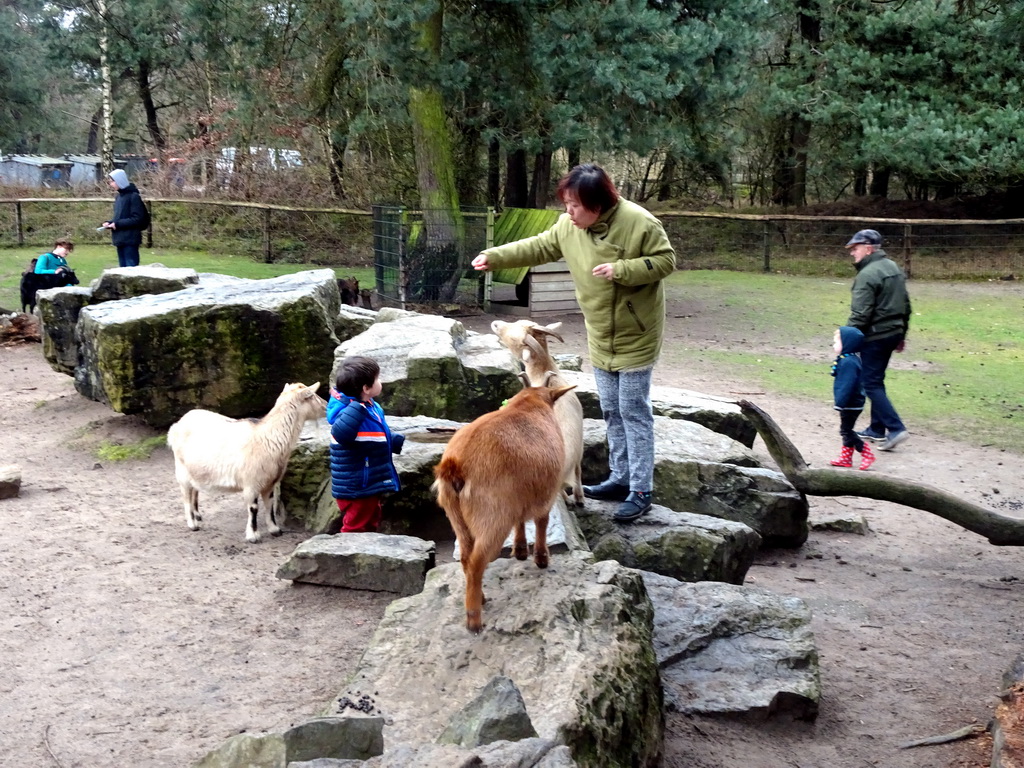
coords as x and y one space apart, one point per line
848 391
361 446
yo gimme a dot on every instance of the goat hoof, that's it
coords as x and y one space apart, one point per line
193 526
278 532
197 516
541 560
474 624
521 554
254 539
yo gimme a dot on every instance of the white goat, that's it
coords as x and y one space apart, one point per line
528 342
217 453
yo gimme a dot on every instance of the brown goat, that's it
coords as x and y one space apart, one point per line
498 472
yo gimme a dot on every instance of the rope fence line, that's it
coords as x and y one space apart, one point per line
969 249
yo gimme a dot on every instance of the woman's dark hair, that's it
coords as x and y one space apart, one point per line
589 184
356 372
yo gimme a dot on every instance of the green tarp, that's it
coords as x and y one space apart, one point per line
515 224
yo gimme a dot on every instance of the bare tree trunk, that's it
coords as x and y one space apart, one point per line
107 98
880 182
92 144
541 178
493 173
142 79
998 529
516 192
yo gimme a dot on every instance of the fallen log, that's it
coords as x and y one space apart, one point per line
998 529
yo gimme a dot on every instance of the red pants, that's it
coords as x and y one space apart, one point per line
360 515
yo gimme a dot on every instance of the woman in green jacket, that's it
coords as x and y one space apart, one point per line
618 254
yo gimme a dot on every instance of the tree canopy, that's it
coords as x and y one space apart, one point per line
799 100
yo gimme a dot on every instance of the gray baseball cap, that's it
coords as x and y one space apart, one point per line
869 236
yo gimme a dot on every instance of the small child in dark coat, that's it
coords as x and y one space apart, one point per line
848 391
361 446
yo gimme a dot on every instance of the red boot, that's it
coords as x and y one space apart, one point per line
845 457
867 458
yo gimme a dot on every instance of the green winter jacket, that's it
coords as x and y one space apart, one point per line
625 316
879 306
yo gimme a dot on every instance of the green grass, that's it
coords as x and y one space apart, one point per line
960 375
89 261
108 451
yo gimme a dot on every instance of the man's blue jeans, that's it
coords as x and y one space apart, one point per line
874 357
127 255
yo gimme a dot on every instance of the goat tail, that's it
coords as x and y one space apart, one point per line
449 483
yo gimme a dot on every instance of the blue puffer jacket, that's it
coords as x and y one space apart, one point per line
848 390
361 449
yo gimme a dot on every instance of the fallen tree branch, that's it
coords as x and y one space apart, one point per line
998 529
967 732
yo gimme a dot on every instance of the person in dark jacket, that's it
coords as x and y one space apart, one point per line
880 309
130 218
848 396
361 446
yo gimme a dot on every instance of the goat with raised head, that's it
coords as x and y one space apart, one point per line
217 453
495 474
528 342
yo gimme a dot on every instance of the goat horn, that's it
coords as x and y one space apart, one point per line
535 345
547 332
547 377
523 377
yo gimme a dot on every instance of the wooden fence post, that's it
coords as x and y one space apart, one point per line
906 248
20 223
267 254
486 285
767 235
149 229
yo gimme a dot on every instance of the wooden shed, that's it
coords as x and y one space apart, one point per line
546 289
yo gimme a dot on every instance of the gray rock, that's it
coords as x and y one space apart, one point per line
370 561
58 313
705 473
840 522
352 321
431 366
525 753
344 738
496 714
697 471
227 345
677 544
574 637
726 649
10 481
127 282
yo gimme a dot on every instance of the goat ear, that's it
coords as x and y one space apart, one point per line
557 393
312 388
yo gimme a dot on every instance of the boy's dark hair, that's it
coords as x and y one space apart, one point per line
66 243
356 372
589 184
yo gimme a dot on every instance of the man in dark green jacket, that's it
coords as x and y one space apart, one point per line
880 309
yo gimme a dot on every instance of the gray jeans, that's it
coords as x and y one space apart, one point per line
626 407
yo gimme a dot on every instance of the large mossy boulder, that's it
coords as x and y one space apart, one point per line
228 345
575 639
59 309
431 366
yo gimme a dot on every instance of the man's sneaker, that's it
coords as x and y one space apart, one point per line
894 439
867 434
606 491
636 504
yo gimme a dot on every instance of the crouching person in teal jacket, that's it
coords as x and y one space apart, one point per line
362 445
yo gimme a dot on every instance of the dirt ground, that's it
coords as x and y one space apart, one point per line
128 640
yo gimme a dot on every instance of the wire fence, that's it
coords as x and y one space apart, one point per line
413 256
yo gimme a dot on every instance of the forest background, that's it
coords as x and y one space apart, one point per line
447 104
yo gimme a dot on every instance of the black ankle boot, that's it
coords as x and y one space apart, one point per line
606 491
